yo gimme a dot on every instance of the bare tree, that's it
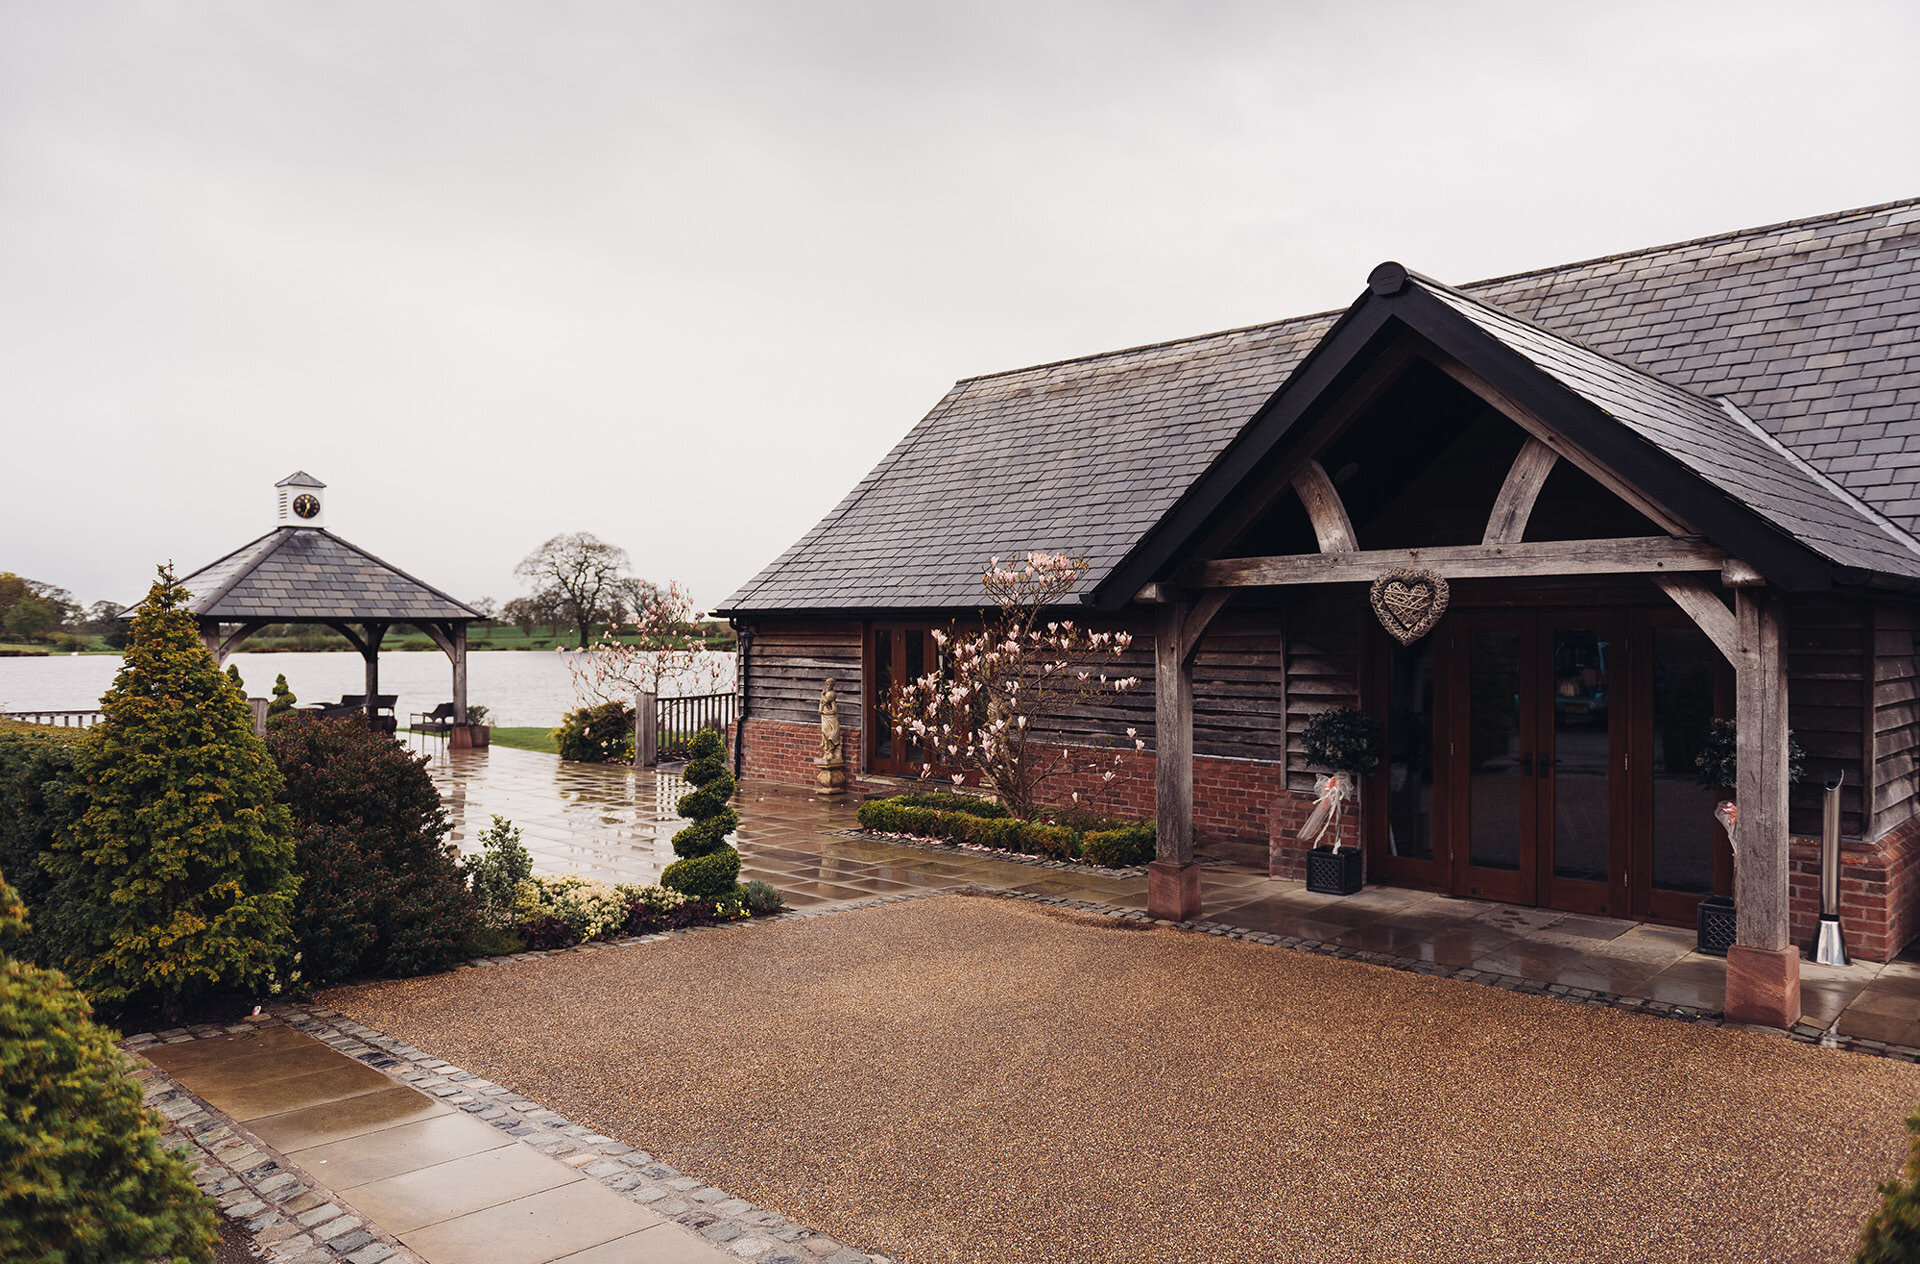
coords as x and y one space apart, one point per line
581 575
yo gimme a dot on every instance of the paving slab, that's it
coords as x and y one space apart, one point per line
536 1229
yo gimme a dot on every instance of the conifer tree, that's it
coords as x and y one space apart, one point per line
233 674
180 868
708 867
85 1180
283 698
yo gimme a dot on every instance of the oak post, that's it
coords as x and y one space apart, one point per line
459 656
646 729
1173 885
1763 968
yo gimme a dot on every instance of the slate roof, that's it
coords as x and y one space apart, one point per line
1807 327
294 574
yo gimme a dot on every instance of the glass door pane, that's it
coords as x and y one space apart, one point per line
883 681
1580 767
1683 828
1496 765
1410 750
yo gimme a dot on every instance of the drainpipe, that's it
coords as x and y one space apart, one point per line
1830 949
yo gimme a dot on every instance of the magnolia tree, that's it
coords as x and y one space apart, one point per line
662 643
979 711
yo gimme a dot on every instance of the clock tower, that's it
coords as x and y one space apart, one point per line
303 500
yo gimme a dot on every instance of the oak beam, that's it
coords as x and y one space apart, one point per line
1763 967
1701 601
1173 879
1331 526
1641 555
1511 509
1195 625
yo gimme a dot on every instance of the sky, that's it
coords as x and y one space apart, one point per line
678 274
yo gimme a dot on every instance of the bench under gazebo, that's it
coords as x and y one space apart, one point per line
301 573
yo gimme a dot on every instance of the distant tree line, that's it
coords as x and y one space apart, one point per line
578 580
37 612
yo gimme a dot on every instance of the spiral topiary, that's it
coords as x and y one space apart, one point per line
708 867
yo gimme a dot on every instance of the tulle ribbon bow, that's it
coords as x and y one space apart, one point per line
1333 793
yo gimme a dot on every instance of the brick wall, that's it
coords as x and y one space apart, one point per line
778 750
1879 891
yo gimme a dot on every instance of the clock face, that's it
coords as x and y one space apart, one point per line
306 505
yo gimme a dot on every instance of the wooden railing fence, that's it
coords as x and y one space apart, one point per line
59 719
679 719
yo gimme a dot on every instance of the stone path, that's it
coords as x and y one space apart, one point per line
323 1156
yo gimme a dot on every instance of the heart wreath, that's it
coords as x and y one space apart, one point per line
1408 603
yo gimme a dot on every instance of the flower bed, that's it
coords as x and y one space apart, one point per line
1108 843
551 912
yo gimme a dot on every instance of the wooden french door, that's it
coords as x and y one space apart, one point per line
1546 757
895 654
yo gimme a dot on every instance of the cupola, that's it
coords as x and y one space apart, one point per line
303 500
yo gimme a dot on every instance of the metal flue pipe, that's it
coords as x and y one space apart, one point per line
1830 949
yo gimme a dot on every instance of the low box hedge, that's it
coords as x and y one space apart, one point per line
1124 844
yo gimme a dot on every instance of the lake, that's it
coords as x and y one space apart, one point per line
521 688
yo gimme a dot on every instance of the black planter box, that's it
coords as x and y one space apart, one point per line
1718 922
1333 873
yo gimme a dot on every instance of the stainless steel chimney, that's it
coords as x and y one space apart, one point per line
1830 949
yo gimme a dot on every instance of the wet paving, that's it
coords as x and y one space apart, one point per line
616 823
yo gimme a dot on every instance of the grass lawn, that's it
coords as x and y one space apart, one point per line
527 739
969 1078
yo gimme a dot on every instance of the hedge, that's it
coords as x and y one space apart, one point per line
39 801
1127 844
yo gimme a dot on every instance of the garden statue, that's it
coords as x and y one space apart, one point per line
832 763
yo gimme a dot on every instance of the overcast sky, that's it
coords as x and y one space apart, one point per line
679 273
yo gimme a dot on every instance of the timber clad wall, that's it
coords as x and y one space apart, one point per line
788 662
1827 663
1895 699
1323 670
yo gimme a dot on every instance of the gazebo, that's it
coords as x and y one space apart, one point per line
300 572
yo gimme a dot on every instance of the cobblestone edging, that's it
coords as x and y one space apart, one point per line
291 1218
996 853
1804 1032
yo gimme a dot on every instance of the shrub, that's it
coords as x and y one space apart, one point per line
178 877
86 1177
1343 739
383 894
40 785
1114 848
1892 1233
494 941
708 867
282 700
953 803
593 909
1119 843
548 934
596 735
502 865
1718 761
762 899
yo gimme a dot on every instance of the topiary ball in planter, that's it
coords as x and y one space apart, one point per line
1345 739
1331 872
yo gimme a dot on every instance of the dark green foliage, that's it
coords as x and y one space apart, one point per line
1344 739
954 803
233 674
40 800
762 899
597 735
708 867
1892 1233
502 865
178 877
83 1178
1718 761
1118 843
283 700
494 941
383 894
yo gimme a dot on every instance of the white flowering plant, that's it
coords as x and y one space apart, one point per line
980 711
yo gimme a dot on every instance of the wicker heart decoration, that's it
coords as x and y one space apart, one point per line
1408 603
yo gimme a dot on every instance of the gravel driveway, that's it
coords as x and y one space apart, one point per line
971 1078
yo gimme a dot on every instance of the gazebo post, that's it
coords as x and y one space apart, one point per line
370 649
459 657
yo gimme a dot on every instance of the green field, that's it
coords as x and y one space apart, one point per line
534 739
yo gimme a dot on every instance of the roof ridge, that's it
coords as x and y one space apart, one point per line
1702 241
1486 281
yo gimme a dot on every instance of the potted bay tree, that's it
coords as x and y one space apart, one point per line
1346 742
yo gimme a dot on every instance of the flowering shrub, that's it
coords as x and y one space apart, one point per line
667 644
592 909
978 711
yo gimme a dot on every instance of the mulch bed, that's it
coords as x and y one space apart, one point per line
970 1078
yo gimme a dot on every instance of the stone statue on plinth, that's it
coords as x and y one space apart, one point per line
832 762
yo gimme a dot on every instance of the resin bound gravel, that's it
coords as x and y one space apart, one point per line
969 1078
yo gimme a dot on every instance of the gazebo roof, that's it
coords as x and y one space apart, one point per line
310 575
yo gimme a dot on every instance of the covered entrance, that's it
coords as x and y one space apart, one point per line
1544 755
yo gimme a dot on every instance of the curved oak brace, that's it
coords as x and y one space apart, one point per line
222 648
1331 526
1700 598
1528 474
